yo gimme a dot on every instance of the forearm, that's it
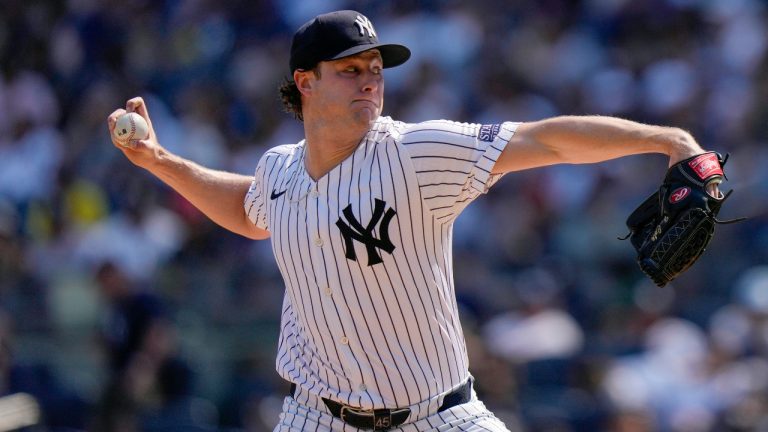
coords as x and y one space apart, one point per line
596 138
218 194
589 139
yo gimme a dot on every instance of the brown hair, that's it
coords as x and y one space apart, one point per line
291 96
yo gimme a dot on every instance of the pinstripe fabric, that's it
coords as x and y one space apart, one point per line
370 317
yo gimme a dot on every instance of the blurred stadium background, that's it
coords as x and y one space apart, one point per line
104 272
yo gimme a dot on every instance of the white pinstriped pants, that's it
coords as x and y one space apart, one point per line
472 416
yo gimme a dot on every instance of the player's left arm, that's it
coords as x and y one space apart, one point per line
589 139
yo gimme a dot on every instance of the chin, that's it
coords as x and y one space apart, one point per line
366 117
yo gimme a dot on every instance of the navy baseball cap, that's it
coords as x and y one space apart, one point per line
340 34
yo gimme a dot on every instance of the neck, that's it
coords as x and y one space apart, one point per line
327 146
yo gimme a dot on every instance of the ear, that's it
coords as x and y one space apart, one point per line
304 81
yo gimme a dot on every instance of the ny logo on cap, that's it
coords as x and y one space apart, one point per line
365 25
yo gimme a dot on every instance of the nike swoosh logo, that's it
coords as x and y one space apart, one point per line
275 195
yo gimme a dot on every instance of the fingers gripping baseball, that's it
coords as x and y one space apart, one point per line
139 143
131 130
138 106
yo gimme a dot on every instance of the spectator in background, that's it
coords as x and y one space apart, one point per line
33 148
40 398
178 409
148 380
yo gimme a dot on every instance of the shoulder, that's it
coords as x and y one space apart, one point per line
284 150
386 127
438 129
282 153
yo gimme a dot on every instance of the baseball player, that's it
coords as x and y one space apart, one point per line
360 214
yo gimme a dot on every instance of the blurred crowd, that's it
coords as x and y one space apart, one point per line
122 308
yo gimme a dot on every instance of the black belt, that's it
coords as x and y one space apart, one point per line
385 418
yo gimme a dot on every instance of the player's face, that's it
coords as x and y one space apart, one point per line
351 87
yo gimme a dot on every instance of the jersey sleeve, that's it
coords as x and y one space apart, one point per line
255 201
453 161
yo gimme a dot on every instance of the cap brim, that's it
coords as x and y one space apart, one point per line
391 54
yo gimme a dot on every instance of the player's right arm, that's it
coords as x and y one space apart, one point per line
218 194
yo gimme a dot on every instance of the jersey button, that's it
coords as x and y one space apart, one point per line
318 241
314 194
363 387
344 340
328 291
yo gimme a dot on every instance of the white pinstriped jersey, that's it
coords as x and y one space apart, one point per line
370 317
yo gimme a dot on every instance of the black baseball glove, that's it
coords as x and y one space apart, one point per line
672 228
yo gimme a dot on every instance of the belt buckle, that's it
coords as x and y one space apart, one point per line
344 409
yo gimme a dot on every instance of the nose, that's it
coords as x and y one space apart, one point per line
372 82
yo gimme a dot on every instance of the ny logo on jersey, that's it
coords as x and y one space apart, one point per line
354 230
365 25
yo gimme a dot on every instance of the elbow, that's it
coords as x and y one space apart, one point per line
259 237
255 234
248 230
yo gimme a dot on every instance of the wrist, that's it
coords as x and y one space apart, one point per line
681 145
163 162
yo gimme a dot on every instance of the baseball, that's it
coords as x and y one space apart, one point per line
130 126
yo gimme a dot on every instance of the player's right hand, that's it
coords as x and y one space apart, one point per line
141 152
